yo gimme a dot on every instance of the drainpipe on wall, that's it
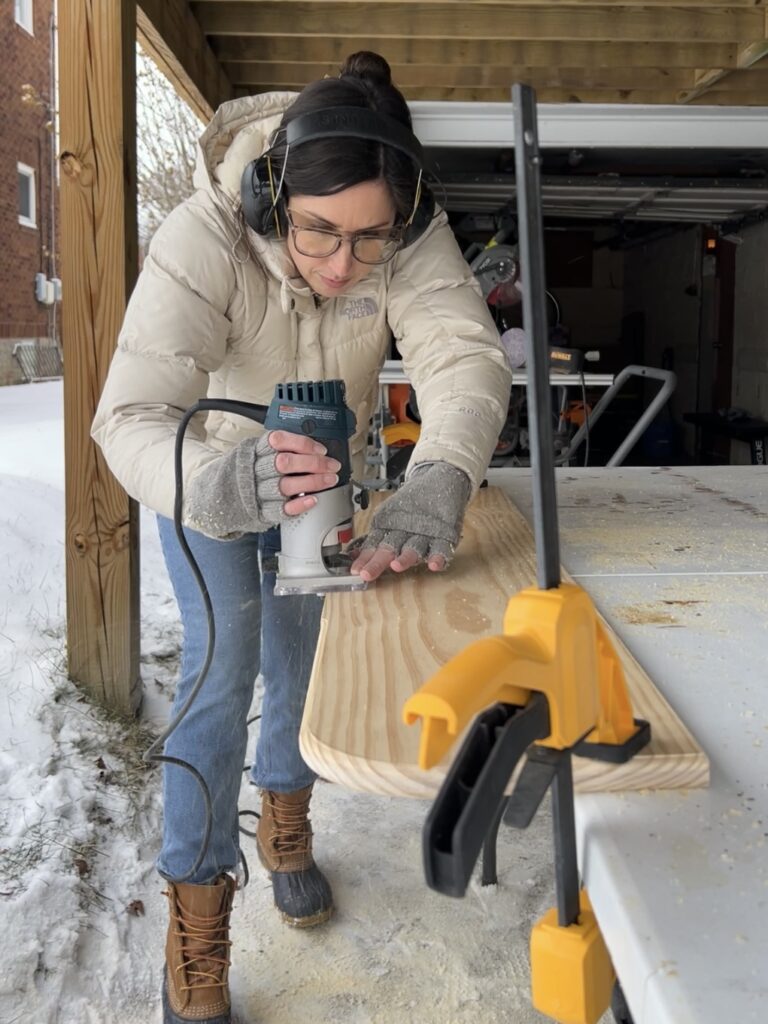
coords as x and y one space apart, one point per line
53 92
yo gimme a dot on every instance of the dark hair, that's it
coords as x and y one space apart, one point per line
324 166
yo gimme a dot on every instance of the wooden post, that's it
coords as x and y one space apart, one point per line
97 46
171 35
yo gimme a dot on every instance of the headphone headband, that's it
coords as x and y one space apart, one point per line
357 122
262 198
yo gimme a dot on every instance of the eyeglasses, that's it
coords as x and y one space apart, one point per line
367 246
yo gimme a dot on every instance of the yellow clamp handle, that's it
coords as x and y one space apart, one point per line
554 644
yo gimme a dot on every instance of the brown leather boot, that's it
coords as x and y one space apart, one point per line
284 843
195 987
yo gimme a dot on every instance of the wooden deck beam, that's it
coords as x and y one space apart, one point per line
748 55
503 53
662 23
169 33
478 76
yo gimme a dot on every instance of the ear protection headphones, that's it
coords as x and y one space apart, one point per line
261 195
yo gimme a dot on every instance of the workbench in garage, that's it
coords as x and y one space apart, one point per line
677 560
751 430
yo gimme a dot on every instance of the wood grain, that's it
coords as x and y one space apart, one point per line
468 50
503 53
99 259
378 646
661 22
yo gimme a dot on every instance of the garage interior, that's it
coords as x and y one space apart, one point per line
652 258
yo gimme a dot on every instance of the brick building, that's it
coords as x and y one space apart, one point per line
28 191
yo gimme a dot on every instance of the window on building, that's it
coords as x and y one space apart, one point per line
24 14
27 211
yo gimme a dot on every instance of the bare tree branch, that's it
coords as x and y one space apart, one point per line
166 147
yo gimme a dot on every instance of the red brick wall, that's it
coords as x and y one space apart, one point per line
24 251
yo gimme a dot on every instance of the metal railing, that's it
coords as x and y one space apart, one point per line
39 359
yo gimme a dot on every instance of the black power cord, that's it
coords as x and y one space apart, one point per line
153 754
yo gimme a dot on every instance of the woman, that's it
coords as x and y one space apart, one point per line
289 262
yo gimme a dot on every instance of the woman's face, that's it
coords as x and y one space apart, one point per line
367 207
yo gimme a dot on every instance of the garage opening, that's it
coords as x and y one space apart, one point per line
655 235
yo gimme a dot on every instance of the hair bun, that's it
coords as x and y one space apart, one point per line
366 64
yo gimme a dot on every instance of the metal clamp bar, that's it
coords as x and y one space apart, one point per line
564 829
527 175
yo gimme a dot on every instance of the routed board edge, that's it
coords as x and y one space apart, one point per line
644 772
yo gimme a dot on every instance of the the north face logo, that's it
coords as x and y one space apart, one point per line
356 309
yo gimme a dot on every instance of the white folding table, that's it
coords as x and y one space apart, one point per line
677 560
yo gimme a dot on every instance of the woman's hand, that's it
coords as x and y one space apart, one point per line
420 522
261 480
372 562
303 468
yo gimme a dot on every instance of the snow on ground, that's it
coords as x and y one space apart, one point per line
83 916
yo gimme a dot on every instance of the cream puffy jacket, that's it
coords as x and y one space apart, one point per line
219 311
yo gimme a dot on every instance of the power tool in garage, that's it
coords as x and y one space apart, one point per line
549 687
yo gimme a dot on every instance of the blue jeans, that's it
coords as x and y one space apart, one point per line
254 631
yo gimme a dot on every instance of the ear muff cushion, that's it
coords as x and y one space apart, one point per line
256 197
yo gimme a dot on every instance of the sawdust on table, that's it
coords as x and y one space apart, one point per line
698 602
644 615
626 545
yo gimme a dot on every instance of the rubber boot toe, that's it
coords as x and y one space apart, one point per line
169 1017
284 845
303 898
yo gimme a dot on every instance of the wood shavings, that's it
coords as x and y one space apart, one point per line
644 615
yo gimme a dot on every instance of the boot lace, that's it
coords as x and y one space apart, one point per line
204 951
291 831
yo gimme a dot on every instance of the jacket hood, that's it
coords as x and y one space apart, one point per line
239 132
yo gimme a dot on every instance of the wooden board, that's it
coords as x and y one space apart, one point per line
378 646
